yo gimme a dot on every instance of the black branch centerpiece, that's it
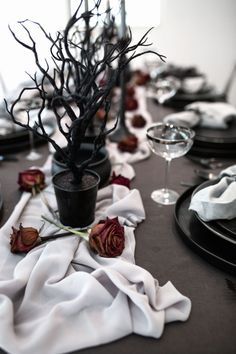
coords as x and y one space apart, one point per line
70 86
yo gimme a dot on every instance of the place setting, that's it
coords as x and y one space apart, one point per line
206 220
205 213
191 85
214 124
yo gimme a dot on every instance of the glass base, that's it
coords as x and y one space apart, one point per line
165 196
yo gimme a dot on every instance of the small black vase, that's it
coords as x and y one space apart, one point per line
76 203
101 165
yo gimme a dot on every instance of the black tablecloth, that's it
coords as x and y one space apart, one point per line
160 249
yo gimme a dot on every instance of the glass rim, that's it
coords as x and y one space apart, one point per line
166 141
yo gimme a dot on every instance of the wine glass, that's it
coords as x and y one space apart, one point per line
169 142
166 88
33 155
163 89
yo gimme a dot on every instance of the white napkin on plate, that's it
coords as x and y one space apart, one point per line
62 297
217 201
193 84
214 115
187 119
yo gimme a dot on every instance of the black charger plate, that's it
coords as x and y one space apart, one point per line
19 140
214 249
215 142
180 100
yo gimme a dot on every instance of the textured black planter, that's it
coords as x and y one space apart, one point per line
101 165
76 203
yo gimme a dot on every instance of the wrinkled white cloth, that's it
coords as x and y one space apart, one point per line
62 297
217 201
214 115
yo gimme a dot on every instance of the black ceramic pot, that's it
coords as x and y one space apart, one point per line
101 164
76 203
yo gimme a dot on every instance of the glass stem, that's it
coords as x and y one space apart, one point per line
167 167
31 140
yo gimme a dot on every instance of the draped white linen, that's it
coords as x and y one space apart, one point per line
62 297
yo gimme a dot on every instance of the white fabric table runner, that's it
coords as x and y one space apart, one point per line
62 297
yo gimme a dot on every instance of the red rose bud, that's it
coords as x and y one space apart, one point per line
121 180
32 180
128 144
138 121
24 239
130 91
141 78
107 238
131 103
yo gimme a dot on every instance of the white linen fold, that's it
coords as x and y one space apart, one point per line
216 115
62 296
217 201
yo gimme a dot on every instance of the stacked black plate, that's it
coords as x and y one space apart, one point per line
214 240
19 140
181 99
215 142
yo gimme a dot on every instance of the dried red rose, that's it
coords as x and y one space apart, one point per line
141 78
119 179
24 239
107 238
32 180
138 121
131 103
128 144
129 90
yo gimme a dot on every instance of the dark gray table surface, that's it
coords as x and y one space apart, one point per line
211 327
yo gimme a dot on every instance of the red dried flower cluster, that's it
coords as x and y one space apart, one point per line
119 179
138 121
105 238
128 144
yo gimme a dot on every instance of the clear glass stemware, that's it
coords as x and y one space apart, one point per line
33 155
169 142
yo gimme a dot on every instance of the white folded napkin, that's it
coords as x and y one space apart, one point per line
215 115
62 297
187 119
217 201
193 84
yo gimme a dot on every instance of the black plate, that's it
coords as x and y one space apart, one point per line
214 249
20 140
180 100
208 151
222 228
216 138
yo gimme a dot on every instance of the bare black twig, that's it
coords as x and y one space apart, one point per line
71 88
